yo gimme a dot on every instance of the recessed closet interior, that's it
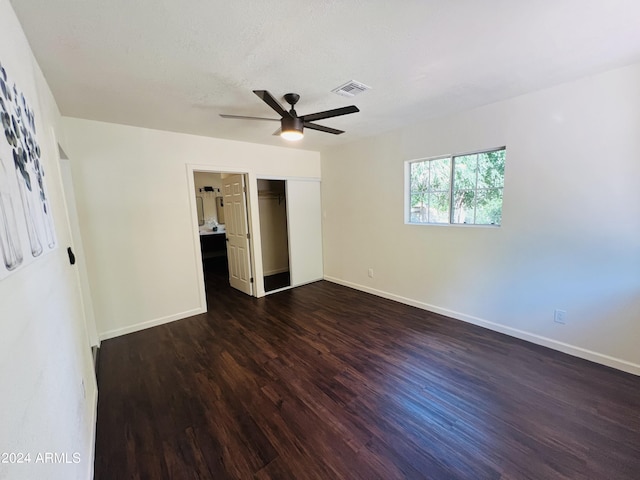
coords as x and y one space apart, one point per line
274 234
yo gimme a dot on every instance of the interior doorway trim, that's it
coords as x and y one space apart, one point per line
254 240
65 175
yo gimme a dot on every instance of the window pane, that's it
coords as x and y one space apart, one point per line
418 213
463 206
440 177
465 168
419 176
430 182
491 169
439 207
489 207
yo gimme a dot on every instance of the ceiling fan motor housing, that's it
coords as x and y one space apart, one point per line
291 123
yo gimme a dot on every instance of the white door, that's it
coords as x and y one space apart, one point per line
304 212
235 214
81 269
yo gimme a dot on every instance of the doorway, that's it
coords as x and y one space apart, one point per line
222 215
69 200
274 234
208 189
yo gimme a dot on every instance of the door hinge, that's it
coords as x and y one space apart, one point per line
248 235
251 280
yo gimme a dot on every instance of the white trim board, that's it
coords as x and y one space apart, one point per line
278 290
579 352
94 430
151 323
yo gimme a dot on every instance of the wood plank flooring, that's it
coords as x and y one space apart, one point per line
325 382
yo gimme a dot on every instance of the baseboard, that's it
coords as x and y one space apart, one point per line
151 323
573 350
278 290
307 282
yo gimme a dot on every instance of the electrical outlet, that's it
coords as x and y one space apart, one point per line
560 316
371 273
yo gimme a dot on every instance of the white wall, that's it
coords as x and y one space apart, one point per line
571 221
44 348
135 196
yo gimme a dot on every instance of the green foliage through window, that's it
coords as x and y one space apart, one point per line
462 189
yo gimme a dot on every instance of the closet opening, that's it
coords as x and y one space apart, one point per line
274 233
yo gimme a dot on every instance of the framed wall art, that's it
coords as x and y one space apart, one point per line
26 223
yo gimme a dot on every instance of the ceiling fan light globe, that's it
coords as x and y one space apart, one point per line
291 128
292 135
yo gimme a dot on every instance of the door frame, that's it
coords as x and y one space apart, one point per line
253 225
65 174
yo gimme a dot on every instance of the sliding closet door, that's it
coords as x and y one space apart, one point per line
305 231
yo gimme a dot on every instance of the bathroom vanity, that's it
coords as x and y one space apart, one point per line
213 244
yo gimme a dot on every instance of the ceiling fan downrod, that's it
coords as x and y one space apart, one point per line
292 99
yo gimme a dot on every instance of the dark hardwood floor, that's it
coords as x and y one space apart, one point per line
325 382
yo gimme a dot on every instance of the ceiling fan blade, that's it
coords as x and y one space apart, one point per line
242 117
321 128
272 102
336 112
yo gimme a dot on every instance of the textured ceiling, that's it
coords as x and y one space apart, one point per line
175 65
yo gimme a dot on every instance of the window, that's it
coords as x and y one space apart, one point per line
459 189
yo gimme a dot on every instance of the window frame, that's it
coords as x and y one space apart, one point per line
452 157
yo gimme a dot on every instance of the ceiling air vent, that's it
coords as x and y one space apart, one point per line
350 89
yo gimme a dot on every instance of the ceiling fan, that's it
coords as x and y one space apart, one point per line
292 125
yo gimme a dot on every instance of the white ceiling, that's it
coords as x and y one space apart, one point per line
175 65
